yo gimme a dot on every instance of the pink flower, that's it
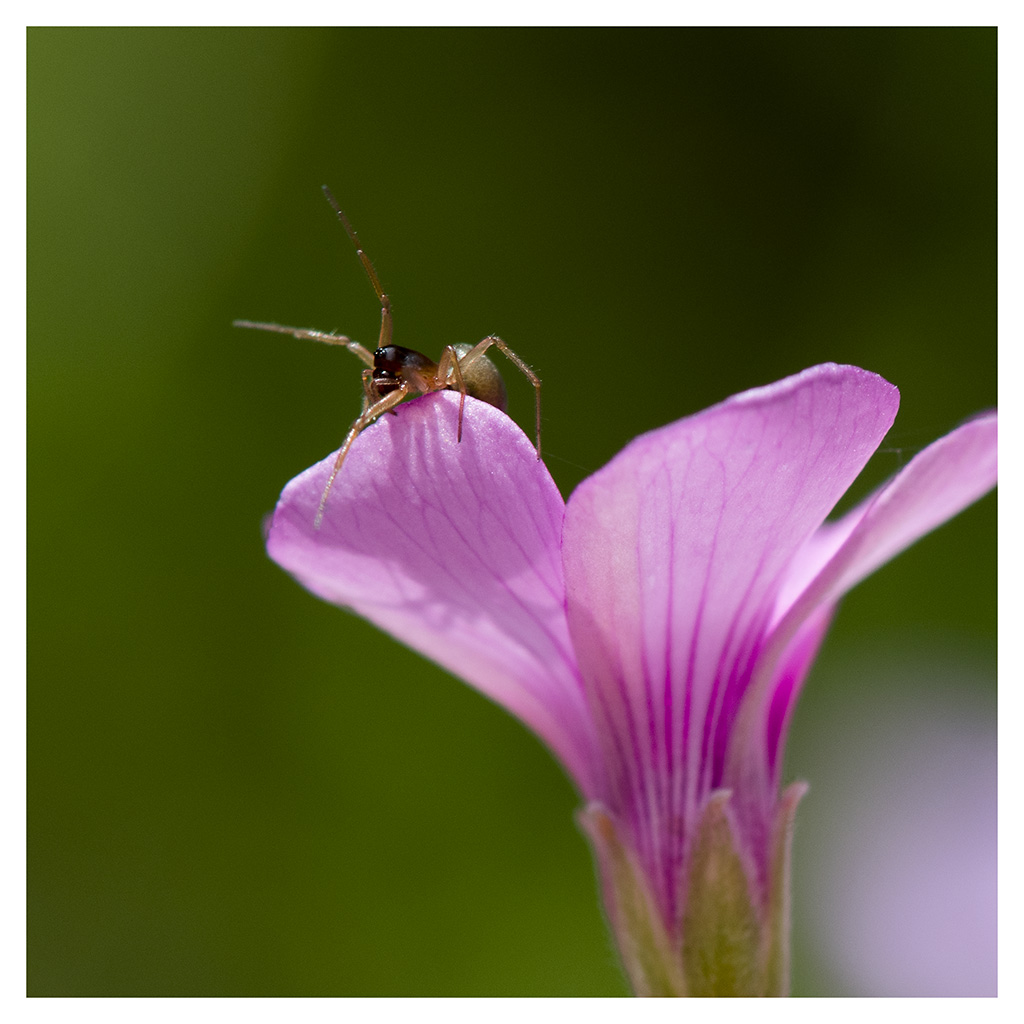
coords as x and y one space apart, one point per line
654 631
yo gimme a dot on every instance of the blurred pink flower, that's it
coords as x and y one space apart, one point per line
654 631
898 880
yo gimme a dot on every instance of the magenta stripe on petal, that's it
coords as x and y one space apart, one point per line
674 552
934 486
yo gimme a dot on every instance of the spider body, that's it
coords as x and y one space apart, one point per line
394 373
395 367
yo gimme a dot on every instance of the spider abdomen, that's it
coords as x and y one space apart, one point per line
482 379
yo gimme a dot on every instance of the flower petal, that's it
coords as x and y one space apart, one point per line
753 762
674 552
934 486
454 549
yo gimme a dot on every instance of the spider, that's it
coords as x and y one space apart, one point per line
394 373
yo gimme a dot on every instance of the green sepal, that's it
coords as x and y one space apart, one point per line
649 957
735 926
777 923
722 924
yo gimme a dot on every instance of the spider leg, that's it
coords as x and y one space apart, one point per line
385 322
301 332
370 393
371 272
449 367
482 346
378 408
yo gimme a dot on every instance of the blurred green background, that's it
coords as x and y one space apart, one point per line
237 790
